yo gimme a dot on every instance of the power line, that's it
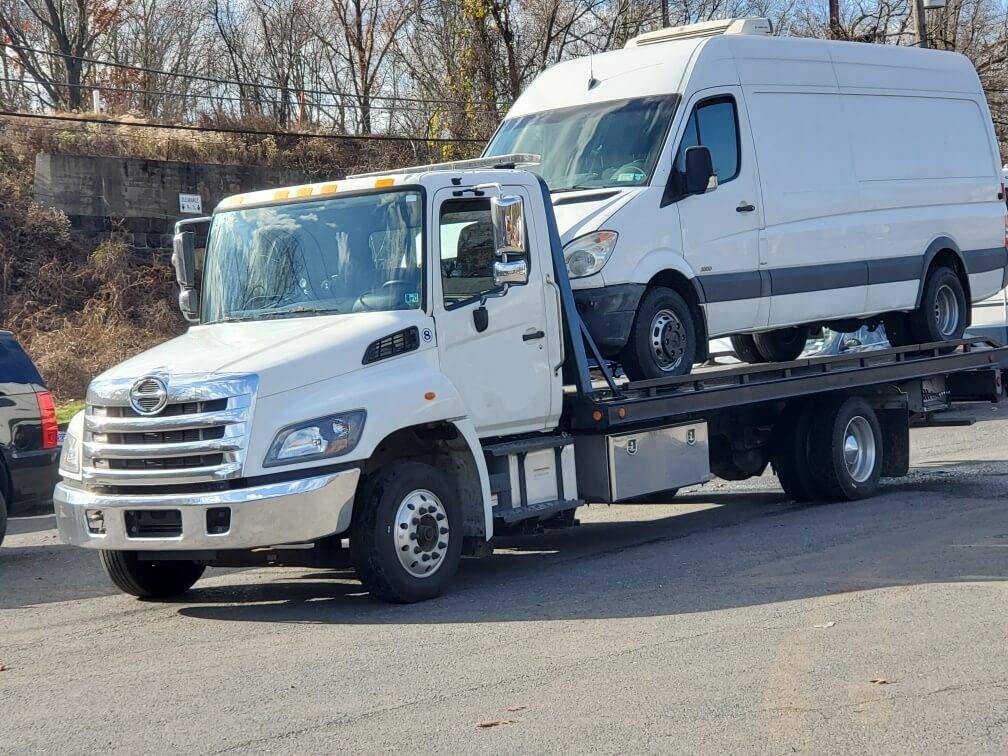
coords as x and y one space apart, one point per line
230 98
237 83
255 132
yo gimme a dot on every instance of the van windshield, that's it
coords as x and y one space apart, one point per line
347 254
607 144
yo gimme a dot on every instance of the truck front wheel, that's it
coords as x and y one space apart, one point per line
406 536
150 579
663 341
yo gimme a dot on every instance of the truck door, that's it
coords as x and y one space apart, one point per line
504 372
721 228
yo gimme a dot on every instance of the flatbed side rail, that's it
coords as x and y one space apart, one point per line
645 401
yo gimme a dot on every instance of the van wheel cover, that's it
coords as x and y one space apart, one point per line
668 340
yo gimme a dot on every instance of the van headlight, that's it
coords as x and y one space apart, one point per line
587 254
329 436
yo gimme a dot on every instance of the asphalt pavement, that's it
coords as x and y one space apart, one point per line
730 620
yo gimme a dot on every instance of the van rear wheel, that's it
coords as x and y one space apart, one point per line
663 340
942 315
744 346
782 345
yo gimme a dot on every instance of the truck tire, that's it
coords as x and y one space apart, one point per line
782 345
3 516
845 449
150 579
943 313
789 452
406 535
745 349
663 340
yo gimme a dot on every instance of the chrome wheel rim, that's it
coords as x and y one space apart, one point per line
421 533
946 310
668 340
859 449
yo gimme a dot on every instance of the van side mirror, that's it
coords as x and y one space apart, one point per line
507 213
184 262
514 273
700 176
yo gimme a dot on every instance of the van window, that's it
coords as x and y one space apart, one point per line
467 251
713 124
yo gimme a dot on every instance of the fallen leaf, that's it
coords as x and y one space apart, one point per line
881 681
495 723
513 709
825 625
4 667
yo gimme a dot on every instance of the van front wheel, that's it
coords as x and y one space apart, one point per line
663 340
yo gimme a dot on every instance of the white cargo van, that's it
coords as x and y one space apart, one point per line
714 180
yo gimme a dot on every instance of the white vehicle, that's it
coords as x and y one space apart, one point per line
711 184
389 371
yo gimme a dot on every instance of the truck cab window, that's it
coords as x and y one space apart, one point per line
467 251
713 124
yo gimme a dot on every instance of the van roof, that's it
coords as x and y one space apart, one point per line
678 65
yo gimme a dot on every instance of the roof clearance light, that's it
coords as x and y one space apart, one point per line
382 182
328 188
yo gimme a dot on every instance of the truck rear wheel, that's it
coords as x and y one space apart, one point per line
789 452
406 536
845 449
663 340
153 579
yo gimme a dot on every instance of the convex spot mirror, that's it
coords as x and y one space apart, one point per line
700 176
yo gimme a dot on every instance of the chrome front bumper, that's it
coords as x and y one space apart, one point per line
294 511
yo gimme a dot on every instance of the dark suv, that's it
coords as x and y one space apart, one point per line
29 437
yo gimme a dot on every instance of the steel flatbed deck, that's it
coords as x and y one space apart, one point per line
709 389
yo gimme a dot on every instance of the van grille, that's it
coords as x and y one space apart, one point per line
190 440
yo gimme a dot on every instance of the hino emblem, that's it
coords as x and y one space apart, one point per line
148 396
631 447
691 437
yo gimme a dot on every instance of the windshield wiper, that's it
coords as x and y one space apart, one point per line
298 311
573 188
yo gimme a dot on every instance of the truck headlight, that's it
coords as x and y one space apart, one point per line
587 254
70 457
329 436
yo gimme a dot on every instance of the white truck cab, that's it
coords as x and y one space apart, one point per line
713 180
389 371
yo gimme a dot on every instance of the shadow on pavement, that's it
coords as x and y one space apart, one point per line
651 568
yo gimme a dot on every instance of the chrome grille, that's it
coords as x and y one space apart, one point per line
199 436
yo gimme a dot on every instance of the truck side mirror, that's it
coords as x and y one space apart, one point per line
184 262
507 213
700 176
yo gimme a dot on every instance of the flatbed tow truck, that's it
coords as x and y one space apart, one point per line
406 431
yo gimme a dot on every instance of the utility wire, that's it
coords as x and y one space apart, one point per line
234 82
256 132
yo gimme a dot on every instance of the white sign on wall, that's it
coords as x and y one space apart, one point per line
191 204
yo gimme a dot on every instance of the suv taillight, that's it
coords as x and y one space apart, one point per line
47 410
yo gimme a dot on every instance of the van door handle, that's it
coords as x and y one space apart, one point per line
745 207
533 335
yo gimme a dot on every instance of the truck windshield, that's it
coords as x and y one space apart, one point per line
607 144
358 253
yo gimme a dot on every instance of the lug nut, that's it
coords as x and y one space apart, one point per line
426 557
435 555
415 521
439 517
444 531
416 549
412 536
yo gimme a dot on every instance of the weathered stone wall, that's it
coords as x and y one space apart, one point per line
142 196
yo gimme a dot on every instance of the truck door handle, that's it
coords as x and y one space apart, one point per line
745 207
532 335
